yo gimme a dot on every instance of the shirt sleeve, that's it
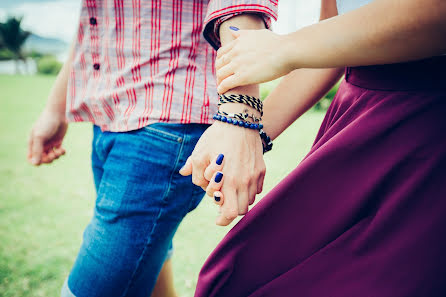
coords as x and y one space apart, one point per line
221 10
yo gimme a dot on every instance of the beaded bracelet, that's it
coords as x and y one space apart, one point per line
252 101
267 143
236 122
240 116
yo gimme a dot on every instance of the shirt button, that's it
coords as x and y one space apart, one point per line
96 66
93 21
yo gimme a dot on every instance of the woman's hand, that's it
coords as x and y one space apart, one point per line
255 56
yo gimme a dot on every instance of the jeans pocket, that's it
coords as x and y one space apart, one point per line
161 130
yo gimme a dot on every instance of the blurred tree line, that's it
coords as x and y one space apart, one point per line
12 40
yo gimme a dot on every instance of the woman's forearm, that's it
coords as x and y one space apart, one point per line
298 91
382 32
295 94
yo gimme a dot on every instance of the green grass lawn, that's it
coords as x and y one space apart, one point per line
43 211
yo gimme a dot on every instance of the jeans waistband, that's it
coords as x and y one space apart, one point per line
423 75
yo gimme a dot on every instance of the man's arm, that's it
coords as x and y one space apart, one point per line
245 169
295 94
45 140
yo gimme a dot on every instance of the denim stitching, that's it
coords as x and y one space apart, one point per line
156 221
169 136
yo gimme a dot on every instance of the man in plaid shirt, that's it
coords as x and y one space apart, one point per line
143 74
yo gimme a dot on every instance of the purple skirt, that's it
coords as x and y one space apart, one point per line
364 214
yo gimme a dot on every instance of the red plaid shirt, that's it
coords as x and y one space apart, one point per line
139 62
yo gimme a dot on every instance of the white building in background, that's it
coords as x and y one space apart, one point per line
295 14
10 67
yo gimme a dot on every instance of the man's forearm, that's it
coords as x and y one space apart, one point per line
243 22
57 98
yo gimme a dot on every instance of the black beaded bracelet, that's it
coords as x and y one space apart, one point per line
266 141
236 122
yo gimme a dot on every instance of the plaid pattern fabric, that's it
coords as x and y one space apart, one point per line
138 62
221 10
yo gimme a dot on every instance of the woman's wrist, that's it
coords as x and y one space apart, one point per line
288 53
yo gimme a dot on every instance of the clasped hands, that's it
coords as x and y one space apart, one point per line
228 162
241 173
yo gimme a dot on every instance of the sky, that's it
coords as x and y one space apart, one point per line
58 18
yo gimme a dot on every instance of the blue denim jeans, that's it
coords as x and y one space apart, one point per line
141 200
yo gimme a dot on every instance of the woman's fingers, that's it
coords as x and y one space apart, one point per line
225 71
218 198
224 49
216 165
230 82
215 184
221 62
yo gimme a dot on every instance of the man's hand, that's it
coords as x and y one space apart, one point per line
45 140
243 170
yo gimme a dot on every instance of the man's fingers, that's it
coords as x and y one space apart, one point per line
59 151
36 150
215 183
198 167
252 192
229 210
260 182
222 220
45 159
30 144
216 165
187 168
49 156
243 201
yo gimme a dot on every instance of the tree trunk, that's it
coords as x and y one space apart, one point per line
17 69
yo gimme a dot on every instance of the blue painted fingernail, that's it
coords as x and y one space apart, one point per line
217 198
234 28
219 159
218 177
